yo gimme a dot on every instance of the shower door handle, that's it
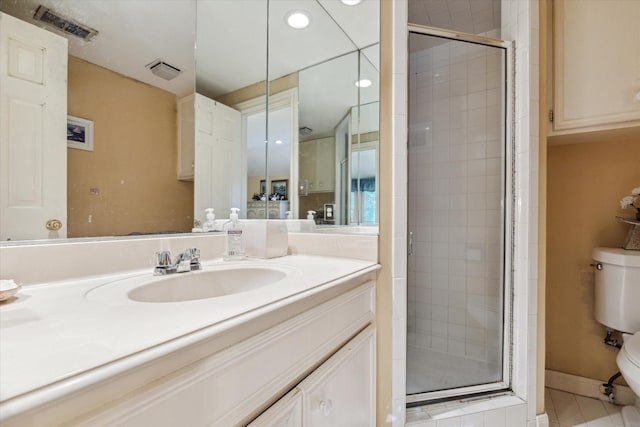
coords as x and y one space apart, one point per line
410 248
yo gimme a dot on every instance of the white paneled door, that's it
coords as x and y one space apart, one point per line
33 148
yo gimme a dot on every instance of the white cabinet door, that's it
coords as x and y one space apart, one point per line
325 166
596 65
307 165
286 412
186 137
218 158
341 392
317 164
33 143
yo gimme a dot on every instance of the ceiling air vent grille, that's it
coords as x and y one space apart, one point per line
305 131
67 25
164 70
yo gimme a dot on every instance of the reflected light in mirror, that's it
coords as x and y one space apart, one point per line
363 83
351 2
298 20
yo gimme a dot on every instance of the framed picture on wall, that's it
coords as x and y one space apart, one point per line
280 187
79 133
263 186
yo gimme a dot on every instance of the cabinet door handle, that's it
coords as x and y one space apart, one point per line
410 248
326 407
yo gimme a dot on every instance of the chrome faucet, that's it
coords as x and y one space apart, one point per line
188 260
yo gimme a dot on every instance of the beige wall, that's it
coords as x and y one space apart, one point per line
544 52
258 89
253 184
133 165
585 184
314 202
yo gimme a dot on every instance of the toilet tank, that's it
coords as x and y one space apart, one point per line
617 288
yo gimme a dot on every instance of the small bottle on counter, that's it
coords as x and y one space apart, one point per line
234 249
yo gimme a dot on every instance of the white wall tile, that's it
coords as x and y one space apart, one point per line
496 418
517 18
473 420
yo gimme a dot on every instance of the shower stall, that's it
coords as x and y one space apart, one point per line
459 215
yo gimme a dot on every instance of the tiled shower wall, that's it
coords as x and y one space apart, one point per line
455 188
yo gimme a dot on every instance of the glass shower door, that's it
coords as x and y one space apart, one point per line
458 167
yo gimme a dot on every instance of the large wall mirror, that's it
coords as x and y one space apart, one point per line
260 115
306 96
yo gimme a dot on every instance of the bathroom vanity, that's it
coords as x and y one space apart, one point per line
299 350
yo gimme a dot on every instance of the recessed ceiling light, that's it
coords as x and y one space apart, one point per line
351 2
298 19
363 83
279 141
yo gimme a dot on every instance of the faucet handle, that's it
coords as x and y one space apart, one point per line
195 259
194 254
163 259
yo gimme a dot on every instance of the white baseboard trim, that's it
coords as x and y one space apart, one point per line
586 387
542 420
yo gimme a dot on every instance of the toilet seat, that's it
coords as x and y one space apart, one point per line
631 349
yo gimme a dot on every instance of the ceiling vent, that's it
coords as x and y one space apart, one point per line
69 26
164 70
305 131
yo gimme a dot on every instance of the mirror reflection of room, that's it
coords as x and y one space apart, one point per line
122 84
177 130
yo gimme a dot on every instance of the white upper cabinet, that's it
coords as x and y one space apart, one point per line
596 69
317 164
186 137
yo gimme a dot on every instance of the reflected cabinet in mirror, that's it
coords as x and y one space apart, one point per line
266 114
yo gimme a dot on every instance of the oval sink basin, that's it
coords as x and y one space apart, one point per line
204 284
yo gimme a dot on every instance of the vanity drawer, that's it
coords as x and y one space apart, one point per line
234 385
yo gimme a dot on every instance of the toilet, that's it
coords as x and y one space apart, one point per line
617 306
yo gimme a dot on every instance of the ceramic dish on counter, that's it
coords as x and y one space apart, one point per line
8 288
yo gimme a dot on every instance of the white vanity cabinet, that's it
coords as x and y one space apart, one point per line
341 392
277 209
596 72
320 343
286 412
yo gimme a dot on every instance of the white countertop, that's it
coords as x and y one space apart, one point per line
53 332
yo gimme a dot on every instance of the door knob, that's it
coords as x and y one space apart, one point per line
54 225
326 407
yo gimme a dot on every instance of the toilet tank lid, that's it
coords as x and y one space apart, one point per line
617 256
632 348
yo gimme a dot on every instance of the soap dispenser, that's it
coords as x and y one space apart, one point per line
310 215
234 238
210 224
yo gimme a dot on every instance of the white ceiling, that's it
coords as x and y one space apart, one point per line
468 16
230 37
240 60
131 35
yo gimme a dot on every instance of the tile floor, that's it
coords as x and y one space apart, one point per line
570 410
